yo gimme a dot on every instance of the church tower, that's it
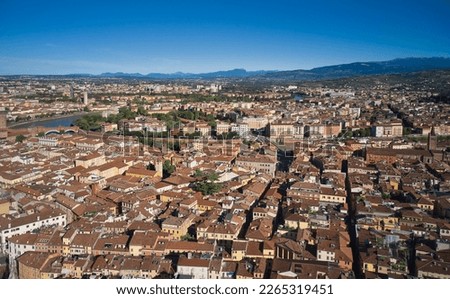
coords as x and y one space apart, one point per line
432 140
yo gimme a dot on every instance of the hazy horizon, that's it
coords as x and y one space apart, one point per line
222 70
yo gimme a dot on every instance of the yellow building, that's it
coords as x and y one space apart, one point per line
332 195
93 159
204 205
168 196
394 183
296 221
218 231
423 204
4 206
239 249
177 227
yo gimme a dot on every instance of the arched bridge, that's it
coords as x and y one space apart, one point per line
59 130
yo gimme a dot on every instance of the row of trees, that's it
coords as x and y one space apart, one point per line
363 132
171 119
89 122
92 121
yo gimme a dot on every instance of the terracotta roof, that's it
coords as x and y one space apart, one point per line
178 180
193 262
141 171
25 239
186 246
438 267
34 259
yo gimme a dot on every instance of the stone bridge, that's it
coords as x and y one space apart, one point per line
33 131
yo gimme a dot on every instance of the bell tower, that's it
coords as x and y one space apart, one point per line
432 140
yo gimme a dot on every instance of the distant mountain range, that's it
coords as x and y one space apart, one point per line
396 66
235 73
401 65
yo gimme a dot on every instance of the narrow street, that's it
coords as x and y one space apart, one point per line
352 230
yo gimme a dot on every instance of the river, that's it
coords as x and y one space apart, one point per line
64 121
298 97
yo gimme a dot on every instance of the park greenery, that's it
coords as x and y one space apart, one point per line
363 132
172 119
89 122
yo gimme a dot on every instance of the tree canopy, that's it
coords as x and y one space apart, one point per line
168 168
20 138
207 188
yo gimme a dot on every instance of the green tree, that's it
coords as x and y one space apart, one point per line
168 168
186 114
89 122
141 111
198 173
41 134
83 123
212 176
20 138
188 237
125 112
207 188
212 123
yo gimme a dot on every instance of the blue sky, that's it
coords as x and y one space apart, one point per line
61 37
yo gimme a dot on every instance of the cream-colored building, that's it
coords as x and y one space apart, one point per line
286 128
391 129
259 163
255 123
222 128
